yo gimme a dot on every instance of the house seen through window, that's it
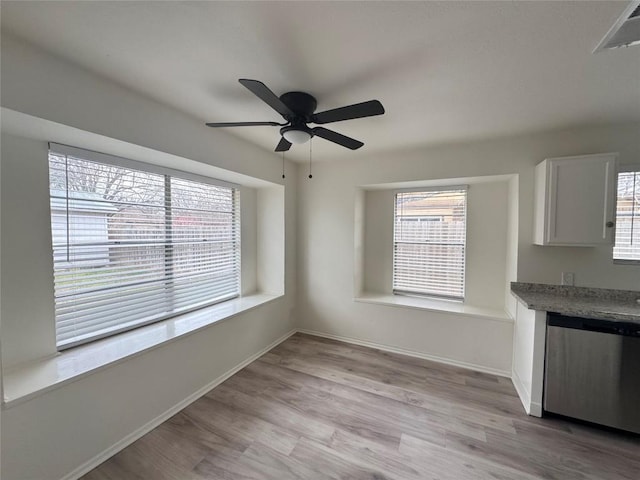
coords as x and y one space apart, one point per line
131 247
429 242
627 244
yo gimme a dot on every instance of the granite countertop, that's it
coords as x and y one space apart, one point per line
596 303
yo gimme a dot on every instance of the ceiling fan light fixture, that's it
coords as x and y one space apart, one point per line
296 136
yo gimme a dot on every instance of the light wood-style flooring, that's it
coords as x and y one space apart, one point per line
314 408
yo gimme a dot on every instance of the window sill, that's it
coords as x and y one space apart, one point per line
434 305
35 378
620 261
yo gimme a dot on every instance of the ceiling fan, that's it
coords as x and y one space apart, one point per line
298 108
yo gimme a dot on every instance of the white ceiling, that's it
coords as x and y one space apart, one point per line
445 71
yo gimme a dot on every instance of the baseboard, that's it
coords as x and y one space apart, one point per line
410 353
535 410
132 437
524 394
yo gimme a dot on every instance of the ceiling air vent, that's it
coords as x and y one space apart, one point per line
625 32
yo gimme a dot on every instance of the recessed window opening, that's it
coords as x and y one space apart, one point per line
133 246
429 242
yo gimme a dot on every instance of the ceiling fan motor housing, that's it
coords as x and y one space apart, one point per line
300 103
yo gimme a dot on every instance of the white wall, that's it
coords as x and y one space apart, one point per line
271 252
1 363
27 263
249 240
327 259
377 265
486 244
511 272
52 434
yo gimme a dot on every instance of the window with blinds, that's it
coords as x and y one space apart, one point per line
429 242
627 244
132 246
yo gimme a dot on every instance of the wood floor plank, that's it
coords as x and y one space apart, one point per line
386 361
274 465
272 412
439 388
444 464
223 466
153 456
237 429
314 408
398 415
591 459
368 453
541 464
322 456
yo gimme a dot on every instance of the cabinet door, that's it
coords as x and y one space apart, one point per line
581 200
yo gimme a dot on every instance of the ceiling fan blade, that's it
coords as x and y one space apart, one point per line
261 91
338 138
245 124
357 110
283 145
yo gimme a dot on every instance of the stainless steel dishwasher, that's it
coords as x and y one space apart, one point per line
592 371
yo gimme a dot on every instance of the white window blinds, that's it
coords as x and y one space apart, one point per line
132 247
429 242
627 245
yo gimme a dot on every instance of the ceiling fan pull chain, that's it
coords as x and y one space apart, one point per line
310 156
282 164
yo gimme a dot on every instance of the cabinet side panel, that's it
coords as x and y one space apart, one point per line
540 205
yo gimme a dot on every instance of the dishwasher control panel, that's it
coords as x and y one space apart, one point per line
593 325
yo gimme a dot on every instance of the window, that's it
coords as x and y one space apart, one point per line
627 245
429 242
135 245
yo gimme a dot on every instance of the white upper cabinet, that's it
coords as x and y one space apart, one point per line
575 200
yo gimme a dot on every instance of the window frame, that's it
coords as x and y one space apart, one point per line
435 296
167 174
622 169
